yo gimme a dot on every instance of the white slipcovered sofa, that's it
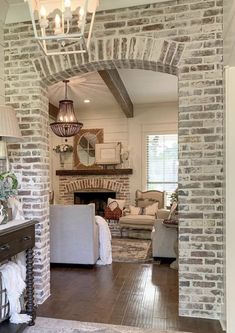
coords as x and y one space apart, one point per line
73 234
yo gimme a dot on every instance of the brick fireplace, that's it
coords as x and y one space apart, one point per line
115 183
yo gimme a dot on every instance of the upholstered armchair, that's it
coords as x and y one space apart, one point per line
148 205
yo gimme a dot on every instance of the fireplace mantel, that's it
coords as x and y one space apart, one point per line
88 172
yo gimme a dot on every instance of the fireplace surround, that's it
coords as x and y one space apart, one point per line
114 186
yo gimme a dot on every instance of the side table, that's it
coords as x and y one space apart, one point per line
17 236
173 224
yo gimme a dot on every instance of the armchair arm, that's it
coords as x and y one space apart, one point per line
163 213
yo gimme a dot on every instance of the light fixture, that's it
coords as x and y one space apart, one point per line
63 22
9 132
86 101
66 124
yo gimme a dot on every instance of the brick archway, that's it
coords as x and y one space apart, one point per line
89 183
124 52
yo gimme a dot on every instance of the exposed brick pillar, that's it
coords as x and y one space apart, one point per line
29 159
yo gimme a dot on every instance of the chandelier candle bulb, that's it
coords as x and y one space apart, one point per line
67 10
43 19
57 24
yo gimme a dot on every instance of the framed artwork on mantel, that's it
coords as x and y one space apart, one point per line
108 153
84 148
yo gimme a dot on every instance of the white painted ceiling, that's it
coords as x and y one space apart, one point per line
143 87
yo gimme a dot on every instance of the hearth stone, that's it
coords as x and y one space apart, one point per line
99 198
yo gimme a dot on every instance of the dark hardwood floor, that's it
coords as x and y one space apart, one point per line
142 295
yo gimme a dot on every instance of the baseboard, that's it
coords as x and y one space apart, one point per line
223 324
71 265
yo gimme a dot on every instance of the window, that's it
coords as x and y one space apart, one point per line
162 163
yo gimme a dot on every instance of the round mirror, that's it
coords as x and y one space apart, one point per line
84 147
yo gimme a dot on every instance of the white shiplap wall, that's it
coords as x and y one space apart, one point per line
118 128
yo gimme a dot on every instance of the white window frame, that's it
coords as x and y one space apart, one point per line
144 150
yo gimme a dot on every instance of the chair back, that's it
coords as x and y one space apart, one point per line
147 198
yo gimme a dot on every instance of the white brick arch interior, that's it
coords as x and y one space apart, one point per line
184 40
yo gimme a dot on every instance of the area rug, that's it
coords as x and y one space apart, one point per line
131 250
50 325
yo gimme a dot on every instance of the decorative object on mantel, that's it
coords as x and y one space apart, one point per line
84 148
108 153
9 132
66 124
62 149
125 155
8 188
61 31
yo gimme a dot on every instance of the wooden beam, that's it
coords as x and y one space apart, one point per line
53 111
113 81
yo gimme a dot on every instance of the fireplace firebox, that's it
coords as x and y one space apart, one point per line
99 198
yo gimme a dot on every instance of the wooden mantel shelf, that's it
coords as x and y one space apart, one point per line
90 172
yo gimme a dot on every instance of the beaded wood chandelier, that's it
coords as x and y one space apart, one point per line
66 124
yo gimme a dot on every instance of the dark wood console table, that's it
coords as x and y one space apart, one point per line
15 237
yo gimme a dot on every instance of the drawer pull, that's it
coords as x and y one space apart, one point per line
27 238
4 247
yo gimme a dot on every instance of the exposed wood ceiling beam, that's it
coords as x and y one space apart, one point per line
53 111
113 81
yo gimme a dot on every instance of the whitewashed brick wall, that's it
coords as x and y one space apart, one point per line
2 90
182 37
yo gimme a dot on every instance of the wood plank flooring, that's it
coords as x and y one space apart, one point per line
142 295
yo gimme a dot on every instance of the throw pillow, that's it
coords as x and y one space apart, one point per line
151 209
135 210
113 203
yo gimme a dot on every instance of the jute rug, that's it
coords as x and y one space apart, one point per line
131 250
49 325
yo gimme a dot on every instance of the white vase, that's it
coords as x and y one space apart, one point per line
62 159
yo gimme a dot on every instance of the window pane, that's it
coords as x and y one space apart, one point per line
162 163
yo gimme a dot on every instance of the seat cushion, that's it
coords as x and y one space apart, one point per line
137 219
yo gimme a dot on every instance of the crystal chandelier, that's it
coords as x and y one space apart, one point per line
63 22
66 124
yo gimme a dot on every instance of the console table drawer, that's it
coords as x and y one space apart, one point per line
17 241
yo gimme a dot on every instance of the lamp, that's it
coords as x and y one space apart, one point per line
55 24
9 130
66 124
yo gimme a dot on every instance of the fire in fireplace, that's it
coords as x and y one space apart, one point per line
99 198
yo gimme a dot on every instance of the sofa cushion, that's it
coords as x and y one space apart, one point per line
137 219
135 210
151 209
